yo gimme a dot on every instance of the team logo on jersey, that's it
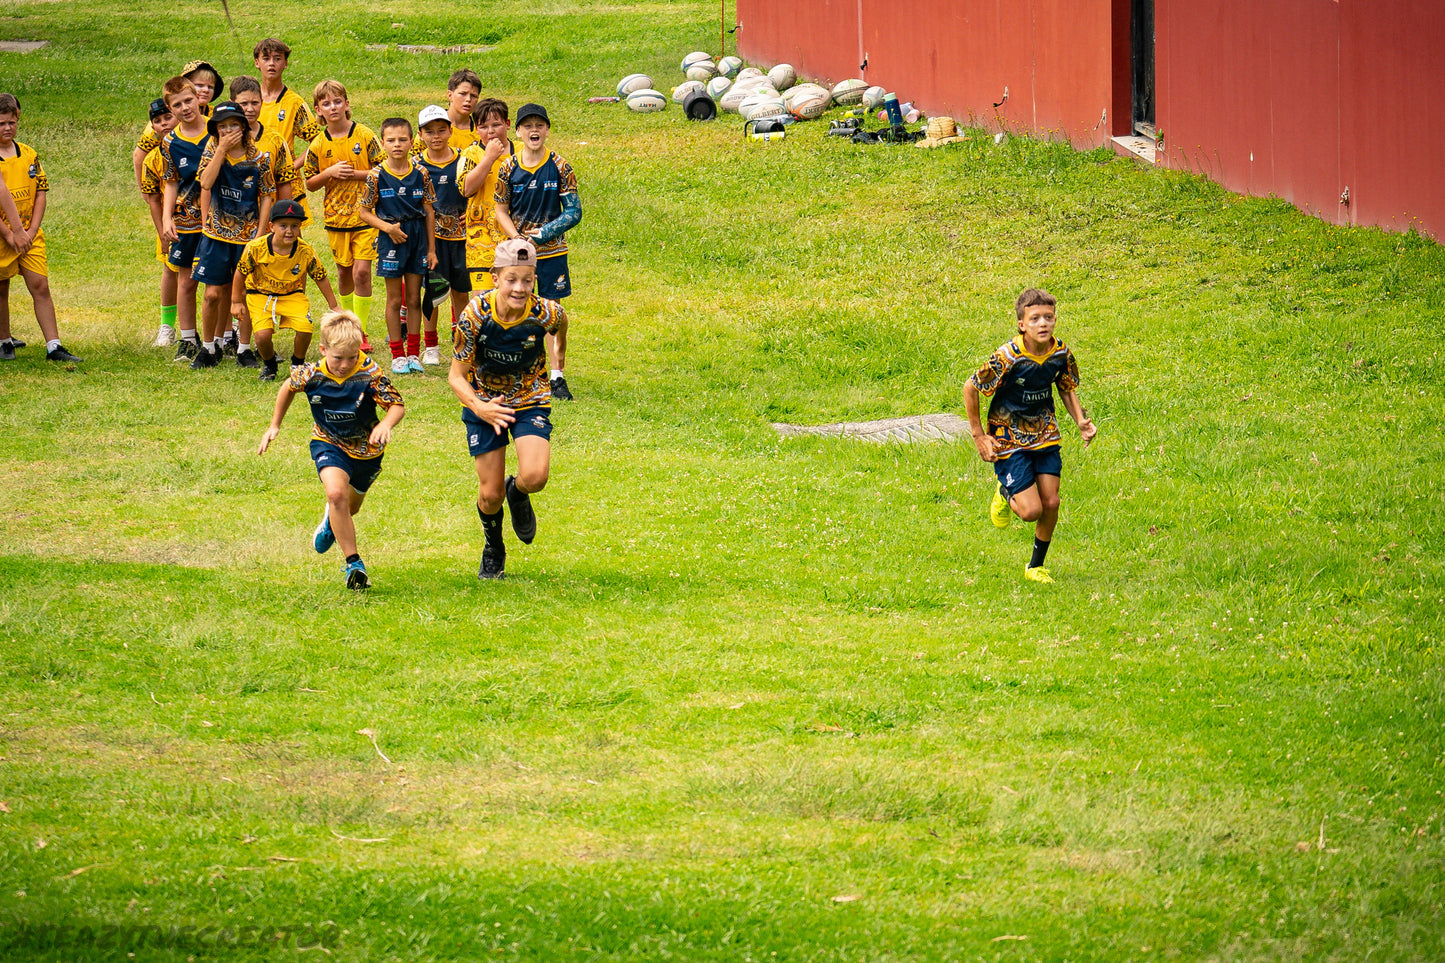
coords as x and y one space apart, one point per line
295 269
530 342
183 162
281 114
539 421
356 149
441 178
1019 381
401 191
249 183
34 169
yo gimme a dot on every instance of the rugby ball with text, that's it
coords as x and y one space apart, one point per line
646 101
810 104
685 88
848 92
633 82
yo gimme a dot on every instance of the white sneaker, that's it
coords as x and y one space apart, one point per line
432 355
399 365
414 363
165 337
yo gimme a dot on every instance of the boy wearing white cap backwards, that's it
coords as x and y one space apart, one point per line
499 373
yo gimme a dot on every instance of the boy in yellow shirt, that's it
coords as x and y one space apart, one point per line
274 269
477 175
338 160
282 109
152 189
22 245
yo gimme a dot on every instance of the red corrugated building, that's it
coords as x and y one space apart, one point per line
1335 105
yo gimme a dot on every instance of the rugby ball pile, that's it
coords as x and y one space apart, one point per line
873 97
729 66
703 70
718 86
782 76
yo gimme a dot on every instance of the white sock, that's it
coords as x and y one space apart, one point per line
52 345
190 336
243 346
213 346
556 373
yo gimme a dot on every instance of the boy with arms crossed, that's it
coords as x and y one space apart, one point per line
537 198
237 191
273 270
22 245
499 373
1022 441
347 438
338 160
397 201
441 162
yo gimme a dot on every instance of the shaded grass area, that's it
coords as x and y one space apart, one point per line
737 678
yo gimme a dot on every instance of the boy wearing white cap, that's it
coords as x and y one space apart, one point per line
440 160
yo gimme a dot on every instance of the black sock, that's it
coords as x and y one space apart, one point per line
1041 549
352 558
491 525
297 362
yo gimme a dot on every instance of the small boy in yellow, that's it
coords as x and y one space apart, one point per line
274 269
339 160
22 243
152 189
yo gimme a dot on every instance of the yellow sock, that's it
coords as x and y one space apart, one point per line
361 307
345 302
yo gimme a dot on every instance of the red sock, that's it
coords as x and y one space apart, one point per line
430 338
413 344
398 349
455 315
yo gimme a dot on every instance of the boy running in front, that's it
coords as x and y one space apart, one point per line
347 438
1022 440
397 201
499 373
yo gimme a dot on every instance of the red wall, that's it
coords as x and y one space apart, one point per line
954 56
1296 98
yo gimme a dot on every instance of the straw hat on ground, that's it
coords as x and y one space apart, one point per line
941 130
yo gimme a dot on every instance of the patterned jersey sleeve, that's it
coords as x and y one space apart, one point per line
315 270
556 318
370 191
428 192
148 140
206 156
42 183
504 182
383 391
307 127
466 163
312 167
300 377
988 378
152 172
464 337
566 178
268 177
373 152
1068 379
247 266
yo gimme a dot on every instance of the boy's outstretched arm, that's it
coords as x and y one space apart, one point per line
1087 431
283 402
981 438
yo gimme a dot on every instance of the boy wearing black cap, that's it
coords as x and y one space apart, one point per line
273 270
152 188
237 190
537 198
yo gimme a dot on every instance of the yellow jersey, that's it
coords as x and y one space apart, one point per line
25 178
483 233
289 116
266 272
153 173
360 148
270 142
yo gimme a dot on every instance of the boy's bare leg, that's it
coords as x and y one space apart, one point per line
361 278
344 284
170 283
1039 503
238 309
263 345
185 303
214 306
395 298
534 461
342 502
301 344
491 480
39 288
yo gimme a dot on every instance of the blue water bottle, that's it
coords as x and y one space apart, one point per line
895 113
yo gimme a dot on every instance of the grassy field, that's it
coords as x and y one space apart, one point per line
745 698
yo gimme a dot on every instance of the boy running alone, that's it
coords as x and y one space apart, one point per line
345 388
22 245
499 373
537 198
398 201
1022 440
273 270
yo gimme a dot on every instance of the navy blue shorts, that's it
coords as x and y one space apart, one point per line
482 437
395 260
182 253
553 281
1018 471
363 471
216 261
451 270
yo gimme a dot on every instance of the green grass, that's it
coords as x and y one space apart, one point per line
737 677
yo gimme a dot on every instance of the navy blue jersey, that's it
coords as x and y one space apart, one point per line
183 165
450 206
344 409
1021 414
235 209
397 200
508 360
538 197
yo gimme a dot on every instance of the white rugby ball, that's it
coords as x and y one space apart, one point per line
718 86
646 101
747 72
685 88
696 57
793 93
873 97
758 106
703 70
810 104
783 76
729 66
734 97
848 92
633 82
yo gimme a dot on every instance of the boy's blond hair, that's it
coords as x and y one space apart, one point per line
341 330
331 88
